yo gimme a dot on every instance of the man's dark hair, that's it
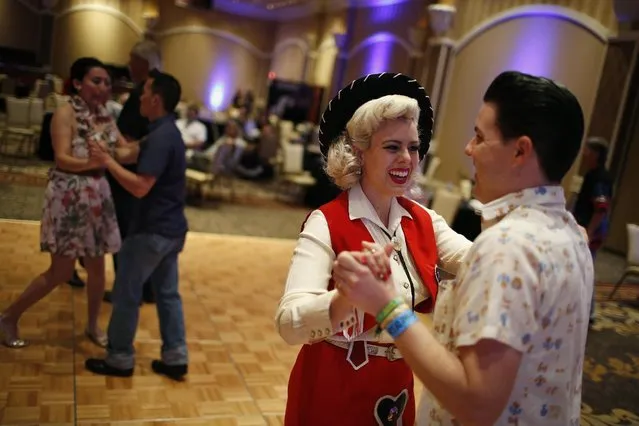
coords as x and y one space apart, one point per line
600 146
548 113
167 87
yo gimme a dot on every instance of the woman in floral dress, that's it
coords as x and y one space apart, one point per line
78 218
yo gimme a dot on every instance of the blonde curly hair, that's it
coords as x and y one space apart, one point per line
343 164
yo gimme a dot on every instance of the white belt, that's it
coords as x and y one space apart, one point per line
389 352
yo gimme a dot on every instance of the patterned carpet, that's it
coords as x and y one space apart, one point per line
611 368
611 371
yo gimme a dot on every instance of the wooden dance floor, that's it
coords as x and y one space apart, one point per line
239 365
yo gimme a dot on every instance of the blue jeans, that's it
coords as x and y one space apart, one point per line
147 257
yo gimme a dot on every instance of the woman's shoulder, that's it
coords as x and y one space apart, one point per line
415 207
64 114
64 109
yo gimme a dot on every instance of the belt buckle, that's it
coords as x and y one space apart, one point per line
390 353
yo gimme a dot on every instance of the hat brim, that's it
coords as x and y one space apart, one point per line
373 86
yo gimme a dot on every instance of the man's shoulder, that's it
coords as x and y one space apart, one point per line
515 225
529 229
167 132
513 235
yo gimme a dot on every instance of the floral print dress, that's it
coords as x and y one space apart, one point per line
78 217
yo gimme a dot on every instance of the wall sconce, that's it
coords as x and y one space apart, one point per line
441 18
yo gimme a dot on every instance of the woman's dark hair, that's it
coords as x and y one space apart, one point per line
81 68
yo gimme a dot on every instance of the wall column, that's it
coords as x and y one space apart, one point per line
309 60
342 42
340 63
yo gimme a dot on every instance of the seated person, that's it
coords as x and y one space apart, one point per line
223 155
251 166
269 142
193 131
248 124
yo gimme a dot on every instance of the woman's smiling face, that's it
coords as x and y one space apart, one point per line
391 158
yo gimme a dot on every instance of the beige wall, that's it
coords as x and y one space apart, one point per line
380 39
85 32
471 13
566 52
19 26
213 54
294 42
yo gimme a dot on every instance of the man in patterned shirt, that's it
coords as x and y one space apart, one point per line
509 332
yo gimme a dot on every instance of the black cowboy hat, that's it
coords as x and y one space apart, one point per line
373 86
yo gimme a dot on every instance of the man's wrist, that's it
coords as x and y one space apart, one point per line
110 162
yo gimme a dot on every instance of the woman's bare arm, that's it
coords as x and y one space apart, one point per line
62 128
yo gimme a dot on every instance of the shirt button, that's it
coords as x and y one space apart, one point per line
406 285
328 331
341 324
313 334
319 333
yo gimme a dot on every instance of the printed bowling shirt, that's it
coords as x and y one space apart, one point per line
526 282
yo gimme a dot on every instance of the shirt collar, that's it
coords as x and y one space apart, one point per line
157 123
359 207
549 196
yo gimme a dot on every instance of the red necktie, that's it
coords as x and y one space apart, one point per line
358 354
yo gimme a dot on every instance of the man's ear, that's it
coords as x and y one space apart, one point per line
523 148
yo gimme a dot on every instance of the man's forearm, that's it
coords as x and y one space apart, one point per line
129 180
441 371
128 154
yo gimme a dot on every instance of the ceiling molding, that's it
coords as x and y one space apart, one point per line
103 9
383 38
293 41
198 29
580 19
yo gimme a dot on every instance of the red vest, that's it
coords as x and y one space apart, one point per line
347 234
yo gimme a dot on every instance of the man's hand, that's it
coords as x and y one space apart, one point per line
98 153
359 285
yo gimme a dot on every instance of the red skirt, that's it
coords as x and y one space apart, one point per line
325 390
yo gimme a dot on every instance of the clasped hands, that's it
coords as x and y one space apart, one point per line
364 277
98 153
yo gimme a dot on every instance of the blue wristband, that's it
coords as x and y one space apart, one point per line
401 323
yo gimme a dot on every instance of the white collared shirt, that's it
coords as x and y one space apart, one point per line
303 312
192 131
527 282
